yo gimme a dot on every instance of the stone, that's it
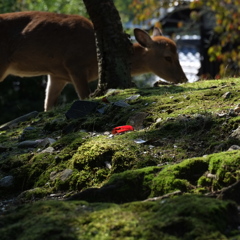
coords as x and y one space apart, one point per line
121 103
234 112
226 95
6 181
133 97
28 144
237 108
36 143
80 109
63 175
234 147
236 134
48 150
46 142
16 121
137 120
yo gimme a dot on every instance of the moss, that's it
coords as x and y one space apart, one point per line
29 175
68 144
15 161
3 136
132 185
184 123
204 181
81 180
34 194
182 176
200 218
48 216
31 133
185 221
189 174
225 165
101 150
55 125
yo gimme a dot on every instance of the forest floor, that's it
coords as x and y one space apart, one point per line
65 174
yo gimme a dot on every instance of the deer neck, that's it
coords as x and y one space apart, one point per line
139 60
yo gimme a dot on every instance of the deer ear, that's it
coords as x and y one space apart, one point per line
143 38
157 32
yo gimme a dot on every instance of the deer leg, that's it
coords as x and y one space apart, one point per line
3 70
55 86
80 82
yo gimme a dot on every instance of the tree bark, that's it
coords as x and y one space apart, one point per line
113 46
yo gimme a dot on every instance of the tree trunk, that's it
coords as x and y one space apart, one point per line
113 46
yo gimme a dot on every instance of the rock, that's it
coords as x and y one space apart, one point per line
121 103
6 181
81 109
210 175
221 147
226 95
6 204
236 134
234 147
221 115
28 144
15 122
48 150
159 120
25 133
36 143
233 112
137 120
102 109
63 175
133 97
122 187
31 194
140 141
237 108
108 164
46 142
53 175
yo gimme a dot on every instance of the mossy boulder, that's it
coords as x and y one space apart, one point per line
208 173
131 185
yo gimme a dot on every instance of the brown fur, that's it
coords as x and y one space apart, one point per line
63 47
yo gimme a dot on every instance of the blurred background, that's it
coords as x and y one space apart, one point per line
207 33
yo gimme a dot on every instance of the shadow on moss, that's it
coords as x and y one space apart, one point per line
188 217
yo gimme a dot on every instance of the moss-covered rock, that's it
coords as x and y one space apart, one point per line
131 185
188 217
209 173
182 176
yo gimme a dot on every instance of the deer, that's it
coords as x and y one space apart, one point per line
62 46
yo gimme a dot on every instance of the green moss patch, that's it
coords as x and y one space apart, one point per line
131 185
209 173
188 217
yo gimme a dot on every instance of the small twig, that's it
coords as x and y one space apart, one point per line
164 196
